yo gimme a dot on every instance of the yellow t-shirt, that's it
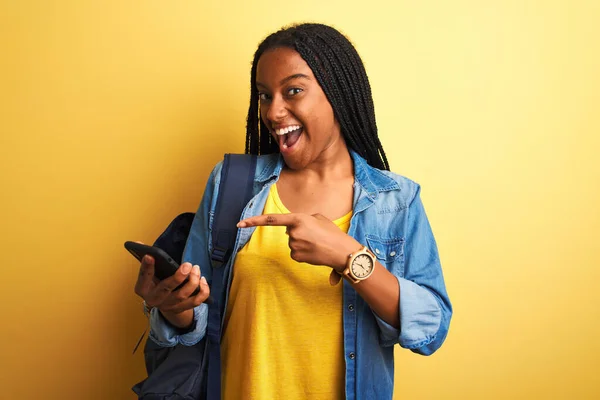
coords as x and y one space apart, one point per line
283 333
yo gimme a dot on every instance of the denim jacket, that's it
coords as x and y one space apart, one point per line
388 217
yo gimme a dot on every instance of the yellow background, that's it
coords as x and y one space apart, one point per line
112 114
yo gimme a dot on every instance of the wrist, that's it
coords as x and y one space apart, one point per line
359 265
181 320
343 254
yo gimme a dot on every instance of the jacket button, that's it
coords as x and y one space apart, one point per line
350 307
352 356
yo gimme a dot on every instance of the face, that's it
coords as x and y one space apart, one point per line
295 109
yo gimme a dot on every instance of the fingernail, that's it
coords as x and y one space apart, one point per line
241 225
146 259
203 280
196 270
186 268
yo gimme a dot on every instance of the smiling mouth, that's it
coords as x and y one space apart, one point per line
288 136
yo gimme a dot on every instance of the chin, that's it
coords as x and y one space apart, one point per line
294 162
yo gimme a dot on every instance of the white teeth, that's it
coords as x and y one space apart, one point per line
286 130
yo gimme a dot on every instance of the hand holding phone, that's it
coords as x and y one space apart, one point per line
164 265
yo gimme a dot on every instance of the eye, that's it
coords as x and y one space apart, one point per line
263 96
294 91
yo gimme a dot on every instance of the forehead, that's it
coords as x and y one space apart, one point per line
277 64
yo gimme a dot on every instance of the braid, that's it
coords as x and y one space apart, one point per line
342 76
258 139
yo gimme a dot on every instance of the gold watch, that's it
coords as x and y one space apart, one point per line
360 266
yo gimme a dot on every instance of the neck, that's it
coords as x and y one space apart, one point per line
334 163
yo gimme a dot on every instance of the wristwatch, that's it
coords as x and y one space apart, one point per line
147 309
360 266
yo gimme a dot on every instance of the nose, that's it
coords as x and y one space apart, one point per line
276 110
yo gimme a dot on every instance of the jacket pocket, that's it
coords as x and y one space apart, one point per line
389 252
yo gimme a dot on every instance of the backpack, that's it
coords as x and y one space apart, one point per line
194 372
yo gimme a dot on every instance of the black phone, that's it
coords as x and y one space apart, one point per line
164 265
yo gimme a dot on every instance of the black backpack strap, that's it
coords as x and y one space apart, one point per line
235 191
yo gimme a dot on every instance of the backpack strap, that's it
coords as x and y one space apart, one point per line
235 191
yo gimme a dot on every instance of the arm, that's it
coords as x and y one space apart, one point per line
424 307
382 293
168 324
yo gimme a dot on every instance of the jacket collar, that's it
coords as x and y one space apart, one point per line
269 167
371 179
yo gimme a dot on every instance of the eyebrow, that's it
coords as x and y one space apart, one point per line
284 80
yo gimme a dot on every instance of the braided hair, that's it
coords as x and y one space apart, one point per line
342 76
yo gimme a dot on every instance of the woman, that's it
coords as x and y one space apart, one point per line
325 206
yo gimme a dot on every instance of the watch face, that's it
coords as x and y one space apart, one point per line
362 266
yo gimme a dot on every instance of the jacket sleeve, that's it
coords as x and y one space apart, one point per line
196 252
425 309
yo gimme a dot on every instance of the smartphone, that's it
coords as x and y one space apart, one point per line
164 265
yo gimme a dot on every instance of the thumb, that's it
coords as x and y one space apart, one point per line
321 217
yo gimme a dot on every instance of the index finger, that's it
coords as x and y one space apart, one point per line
270 220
